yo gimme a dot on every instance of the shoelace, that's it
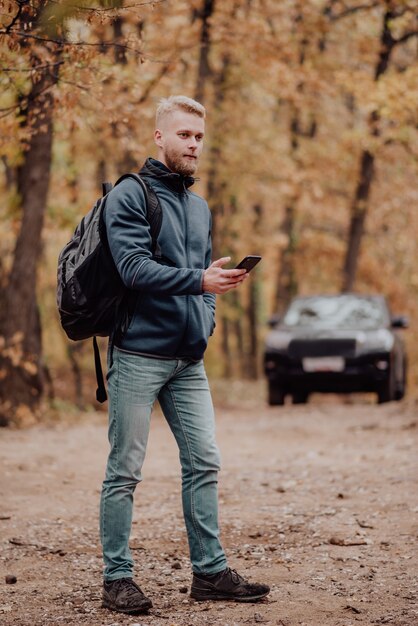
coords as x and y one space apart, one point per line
235 577
129 585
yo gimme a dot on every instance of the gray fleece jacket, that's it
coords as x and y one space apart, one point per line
172 317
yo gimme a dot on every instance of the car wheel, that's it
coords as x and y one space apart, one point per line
276 395
387 393
300 398
401 385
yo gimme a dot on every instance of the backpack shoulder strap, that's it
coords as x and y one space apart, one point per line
154 210
154 218
106 187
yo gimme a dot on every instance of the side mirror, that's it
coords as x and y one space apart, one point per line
273 320
399 321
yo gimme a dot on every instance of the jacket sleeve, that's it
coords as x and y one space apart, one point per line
129 236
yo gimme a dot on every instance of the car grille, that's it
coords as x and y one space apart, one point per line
299 348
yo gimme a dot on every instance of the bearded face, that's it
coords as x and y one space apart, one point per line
180 141
180 163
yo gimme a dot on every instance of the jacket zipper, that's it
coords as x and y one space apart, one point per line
186 205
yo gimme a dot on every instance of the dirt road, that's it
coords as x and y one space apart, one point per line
319 501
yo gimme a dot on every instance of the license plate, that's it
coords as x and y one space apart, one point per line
323 364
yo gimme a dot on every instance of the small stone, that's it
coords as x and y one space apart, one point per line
183 590
176 565
337 541
11 579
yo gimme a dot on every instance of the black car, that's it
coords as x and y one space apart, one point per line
336 344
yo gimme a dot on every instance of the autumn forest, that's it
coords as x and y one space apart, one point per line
311 159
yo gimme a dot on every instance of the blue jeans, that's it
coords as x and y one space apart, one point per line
135 382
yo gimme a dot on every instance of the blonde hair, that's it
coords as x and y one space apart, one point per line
175 103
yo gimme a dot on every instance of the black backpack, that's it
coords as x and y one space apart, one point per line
91 297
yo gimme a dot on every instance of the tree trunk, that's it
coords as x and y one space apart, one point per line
101 174
120 51
73 350
203 71
240 358
238 354
127 161
357 221
215 188
360 202
214 184
252 357
10 173
287 284
253 301
226 349
21 363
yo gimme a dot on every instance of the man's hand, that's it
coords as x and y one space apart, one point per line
217 280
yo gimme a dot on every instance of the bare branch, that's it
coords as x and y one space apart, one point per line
153 83
23 102
31 69
110 9
71 82
401 11
68 44
406 36
403 144
351 10
25 99
148 89
7 110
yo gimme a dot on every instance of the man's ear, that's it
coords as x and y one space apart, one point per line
158 137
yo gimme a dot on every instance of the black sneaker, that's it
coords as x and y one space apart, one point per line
125 596
227 585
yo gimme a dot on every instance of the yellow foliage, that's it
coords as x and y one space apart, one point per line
292 102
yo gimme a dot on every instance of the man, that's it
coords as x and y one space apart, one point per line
160 356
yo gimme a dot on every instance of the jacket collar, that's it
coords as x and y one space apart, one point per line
175 182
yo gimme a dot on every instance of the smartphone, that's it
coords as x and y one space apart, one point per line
248 262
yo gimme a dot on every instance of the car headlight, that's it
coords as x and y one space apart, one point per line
375 341
278 340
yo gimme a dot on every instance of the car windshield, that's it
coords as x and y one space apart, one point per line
345 311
